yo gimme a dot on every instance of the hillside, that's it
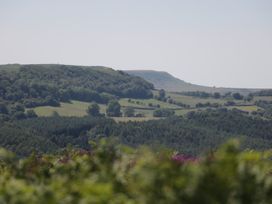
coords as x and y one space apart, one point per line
32 84
46 107
164 80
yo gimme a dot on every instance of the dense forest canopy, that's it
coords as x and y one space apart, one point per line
47 134
36 85
26 86
194 134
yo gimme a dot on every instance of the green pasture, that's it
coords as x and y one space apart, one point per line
246 108
78 108
144 103
75 108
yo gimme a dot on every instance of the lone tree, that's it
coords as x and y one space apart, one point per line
93 110
217 95
162 94
113 109
129 112
238 96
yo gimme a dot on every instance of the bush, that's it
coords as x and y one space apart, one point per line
129 112
118 174
114 109
19 115
237 96
93 110
31 114
163 113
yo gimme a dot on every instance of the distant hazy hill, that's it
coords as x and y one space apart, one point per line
164 80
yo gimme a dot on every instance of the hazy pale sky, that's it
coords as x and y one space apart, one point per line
208 42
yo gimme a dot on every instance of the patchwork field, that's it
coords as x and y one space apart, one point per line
78 108
146 103
146 106
192 101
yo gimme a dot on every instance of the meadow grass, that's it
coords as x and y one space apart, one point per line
245 108
144 103
75 108
192 101
78 109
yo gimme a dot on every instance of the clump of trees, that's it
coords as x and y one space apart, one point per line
161 96
129 112
199 94
40 85
217 95
31 114
267 92
163 112
15 111
208 104
237 96
114 109
94 110
265 110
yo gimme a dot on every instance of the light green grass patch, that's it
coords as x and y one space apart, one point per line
245 108
78 109
192 101
75 108
144 103
137 119
184 111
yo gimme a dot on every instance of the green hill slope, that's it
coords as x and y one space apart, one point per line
32 84
164 80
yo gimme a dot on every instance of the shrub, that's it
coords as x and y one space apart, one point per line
163 113
117 174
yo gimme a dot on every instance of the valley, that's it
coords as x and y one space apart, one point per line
136 102
77 124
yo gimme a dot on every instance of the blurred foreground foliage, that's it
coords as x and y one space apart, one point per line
112 173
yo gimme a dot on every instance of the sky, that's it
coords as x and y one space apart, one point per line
226 43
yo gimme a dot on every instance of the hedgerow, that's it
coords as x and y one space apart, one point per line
111 173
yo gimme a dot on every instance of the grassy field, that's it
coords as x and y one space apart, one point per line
143 103
75 108
185 111
127 119
78 108
246 108
192 101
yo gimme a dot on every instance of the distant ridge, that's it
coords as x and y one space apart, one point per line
164 80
